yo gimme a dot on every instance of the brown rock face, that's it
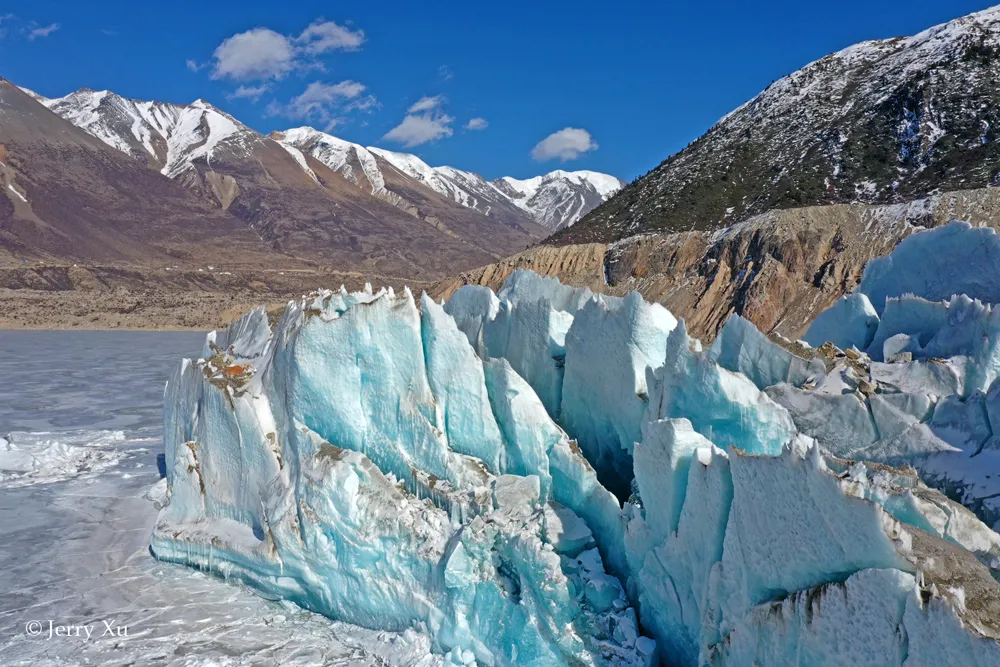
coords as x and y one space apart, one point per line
779 269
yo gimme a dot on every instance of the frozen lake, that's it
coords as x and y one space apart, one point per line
83 410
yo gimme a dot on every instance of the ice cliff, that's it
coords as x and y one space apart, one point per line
545 475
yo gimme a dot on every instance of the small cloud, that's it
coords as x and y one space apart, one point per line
252 93
420 128
566 144
426 104
322 36
445 73
366 103
477 124
256 54
42 31
194 66
424 121
109 32
320 101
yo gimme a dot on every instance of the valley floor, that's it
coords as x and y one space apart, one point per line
140 298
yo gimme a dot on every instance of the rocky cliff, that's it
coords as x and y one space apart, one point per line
779 269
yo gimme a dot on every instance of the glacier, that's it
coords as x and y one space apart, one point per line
545 475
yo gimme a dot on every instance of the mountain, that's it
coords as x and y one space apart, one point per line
244 172
295 203
560 198
880 122
554 200
70 197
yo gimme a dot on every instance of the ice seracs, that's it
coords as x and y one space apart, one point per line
538 476
363 462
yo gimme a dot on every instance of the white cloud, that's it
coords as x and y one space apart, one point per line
445 73
261 54
42 31
252 93
418 129
366 103
426 104
322 36
194 66
321 101
566 144
424 121
477 124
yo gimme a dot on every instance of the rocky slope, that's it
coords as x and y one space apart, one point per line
779 269
879 122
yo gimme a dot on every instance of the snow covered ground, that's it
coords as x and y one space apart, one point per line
85 411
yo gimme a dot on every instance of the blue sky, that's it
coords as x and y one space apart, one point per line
640 80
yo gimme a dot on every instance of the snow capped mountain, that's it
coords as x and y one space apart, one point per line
290 200
171 136
268 181
32 94
555 200
879 122
560 198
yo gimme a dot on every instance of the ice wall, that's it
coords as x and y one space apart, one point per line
585 355
796 559
936 264
362 462
850 322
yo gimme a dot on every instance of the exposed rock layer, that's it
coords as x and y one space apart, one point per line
779 269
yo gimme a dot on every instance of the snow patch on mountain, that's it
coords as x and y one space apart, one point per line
172 136
301 159
352 161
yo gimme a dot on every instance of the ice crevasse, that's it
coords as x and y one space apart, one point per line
549 476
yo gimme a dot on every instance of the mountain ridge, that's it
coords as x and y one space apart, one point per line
166 135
